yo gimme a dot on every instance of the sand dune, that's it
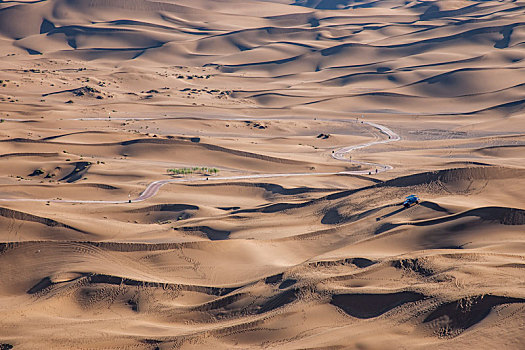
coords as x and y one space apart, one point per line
200 174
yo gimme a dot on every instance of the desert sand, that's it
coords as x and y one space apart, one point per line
272 229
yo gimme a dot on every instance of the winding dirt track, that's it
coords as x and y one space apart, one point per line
340 154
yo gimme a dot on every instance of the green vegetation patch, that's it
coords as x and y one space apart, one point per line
194 170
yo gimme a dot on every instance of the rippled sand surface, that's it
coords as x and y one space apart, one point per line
281 234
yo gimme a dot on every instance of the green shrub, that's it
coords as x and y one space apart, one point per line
193 170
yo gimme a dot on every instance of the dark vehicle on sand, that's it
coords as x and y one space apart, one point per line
410 201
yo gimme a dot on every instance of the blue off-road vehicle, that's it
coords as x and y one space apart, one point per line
410 201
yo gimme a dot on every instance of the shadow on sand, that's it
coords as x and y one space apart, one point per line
391 214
